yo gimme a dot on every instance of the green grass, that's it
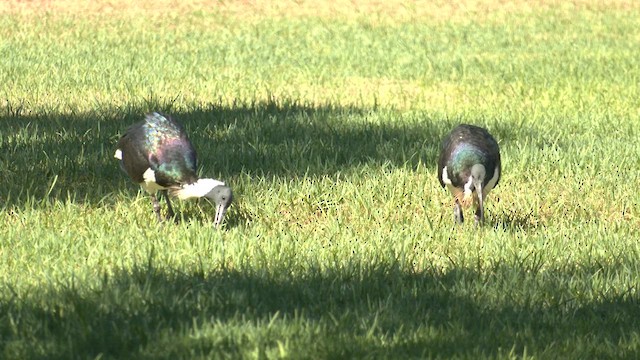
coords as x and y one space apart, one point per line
341 242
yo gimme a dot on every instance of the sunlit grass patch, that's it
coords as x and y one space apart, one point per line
383 12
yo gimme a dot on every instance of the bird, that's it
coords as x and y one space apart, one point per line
156 153
469 165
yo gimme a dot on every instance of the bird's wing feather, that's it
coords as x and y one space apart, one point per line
447 156
158 143
171 155
133 159
174 164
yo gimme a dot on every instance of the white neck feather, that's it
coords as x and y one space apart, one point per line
198 189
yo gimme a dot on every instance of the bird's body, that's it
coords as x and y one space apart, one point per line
157 154
469 165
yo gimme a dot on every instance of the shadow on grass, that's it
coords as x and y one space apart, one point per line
69 156
364 311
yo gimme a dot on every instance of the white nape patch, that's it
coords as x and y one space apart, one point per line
491 183
118 154
198 189
467 188
445 176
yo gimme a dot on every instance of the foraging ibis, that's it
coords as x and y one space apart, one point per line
469 165
157 154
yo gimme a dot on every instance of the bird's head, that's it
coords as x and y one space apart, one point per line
214 190
478 173
222 196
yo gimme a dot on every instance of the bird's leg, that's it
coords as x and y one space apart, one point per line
457 212
170 213
156 206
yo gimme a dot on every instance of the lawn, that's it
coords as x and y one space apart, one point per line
326 119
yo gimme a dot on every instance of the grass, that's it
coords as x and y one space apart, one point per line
326 121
